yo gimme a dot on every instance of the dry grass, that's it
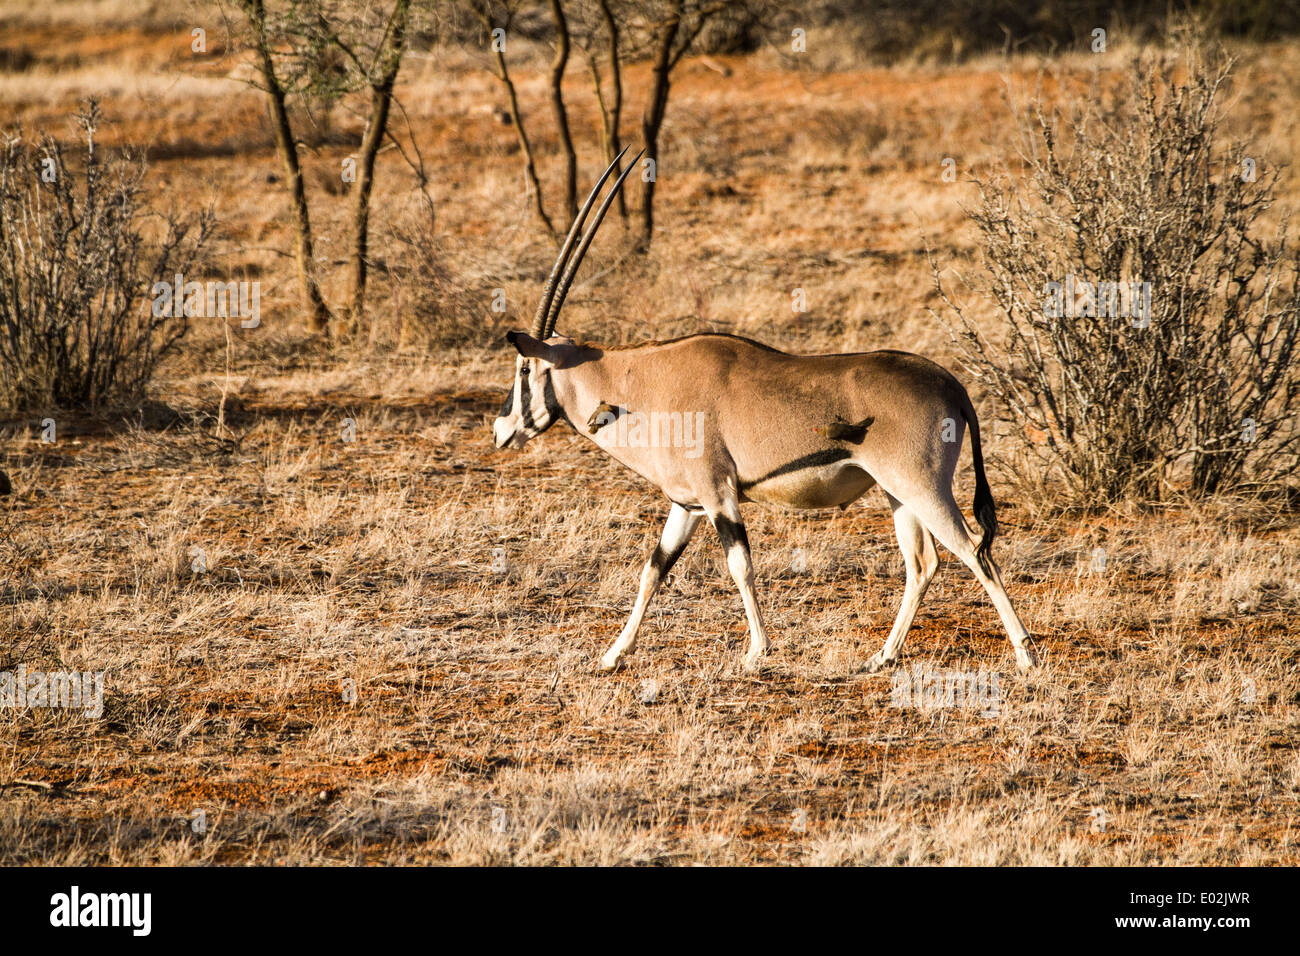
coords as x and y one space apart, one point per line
479 732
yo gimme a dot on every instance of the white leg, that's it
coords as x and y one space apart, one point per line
922 560
945 521
679 527
731 531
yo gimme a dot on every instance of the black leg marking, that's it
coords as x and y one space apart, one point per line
731 533
662 561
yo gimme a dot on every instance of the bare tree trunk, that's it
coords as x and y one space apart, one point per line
561 115
516 118
381 97
653 117
318 313
611 113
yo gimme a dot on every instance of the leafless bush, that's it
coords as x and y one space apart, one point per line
76 270
1130 192
433 300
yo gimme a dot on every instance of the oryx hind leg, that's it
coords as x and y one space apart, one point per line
921 558
679 527
735 542
939 512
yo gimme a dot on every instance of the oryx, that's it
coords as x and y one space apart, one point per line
803 431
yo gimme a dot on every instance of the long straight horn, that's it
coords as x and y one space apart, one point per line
563 289
540 330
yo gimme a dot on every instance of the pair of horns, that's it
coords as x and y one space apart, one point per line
548 310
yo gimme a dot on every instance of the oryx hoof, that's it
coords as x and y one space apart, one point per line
1026 660
754 663
607 664
877 662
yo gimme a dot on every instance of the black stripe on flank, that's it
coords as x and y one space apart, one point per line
817 459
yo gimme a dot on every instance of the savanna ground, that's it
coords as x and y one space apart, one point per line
388 654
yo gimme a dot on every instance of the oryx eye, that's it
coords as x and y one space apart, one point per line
523 370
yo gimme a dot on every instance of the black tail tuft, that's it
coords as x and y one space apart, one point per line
985 512
987 519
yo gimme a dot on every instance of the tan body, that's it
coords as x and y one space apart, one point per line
763 409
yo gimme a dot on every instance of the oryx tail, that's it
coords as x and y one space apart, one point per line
985 513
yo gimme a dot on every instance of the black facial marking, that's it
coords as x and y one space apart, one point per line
525 400
815 460
731 533
553 409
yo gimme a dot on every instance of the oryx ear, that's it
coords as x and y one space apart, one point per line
530 347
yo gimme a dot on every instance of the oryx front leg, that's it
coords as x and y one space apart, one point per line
731 531
677 533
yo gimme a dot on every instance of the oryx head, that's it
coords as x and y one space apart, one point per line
531 407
